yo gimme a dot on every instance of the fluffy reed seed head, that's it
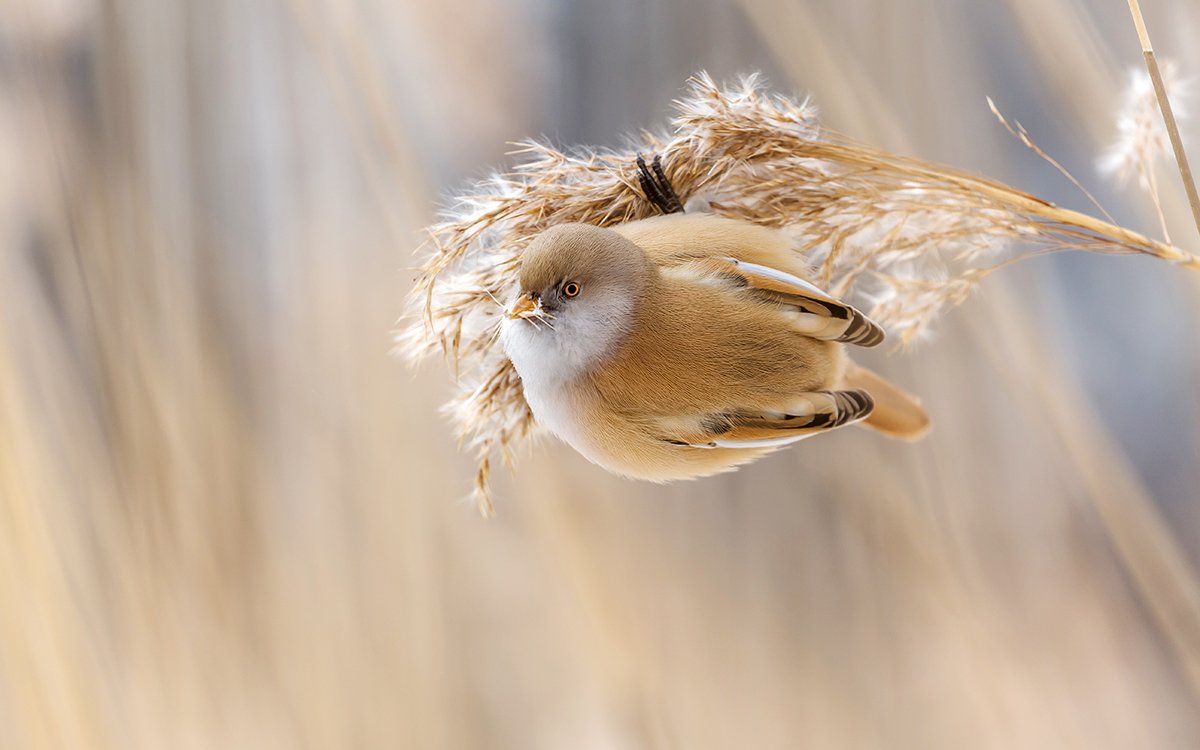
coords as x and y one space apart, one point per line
902 237
1141 134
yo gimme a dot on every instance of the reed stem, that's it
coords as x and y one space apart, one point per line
1164 105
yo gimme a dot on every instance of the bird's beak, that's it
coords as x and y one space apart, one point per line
525 307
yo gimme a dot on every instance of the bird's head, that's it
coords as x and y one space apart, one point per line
580 288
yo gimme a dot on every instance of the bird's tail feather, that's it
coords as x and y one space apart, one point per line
897 414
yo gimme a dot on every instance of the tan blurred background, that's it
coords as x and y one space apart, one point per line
229 519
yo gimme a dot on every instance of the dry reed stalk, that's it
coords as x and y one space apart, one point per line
1164 105
903 236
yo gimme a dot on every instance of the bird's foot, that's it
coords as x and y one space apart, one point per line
656 187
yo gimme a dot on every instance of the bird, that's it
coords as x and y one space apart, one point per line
687 344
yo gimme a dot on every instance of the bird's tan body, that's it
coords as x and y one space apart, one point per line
737 356
693 345
678 238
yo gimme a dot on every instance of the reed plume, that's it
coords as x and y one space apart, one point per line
903 237
1142 138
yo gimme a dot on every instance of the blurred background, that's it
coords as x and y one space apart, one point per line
229 518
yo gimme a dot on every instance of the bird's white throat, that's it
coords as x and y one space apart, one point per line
550 360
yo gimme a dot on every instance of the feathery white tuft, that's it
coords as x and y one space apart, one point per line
1141 135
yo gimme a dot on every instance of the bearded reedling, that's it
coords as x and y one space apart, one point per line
686 344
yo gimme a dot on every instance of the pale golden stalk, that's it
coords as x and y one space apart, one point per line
1164 105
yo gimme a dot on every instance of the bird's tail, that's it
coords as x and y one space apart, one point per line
897 414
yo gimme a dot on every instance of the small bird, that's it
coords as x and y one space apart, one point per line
686 344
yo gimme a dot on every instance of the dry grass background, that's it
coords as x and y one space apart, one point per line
229 519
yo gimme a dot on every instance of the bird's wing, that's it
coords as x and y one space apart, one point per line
817 314
809 414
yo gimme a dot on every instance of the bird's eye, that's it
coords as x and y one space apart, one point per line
570 289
